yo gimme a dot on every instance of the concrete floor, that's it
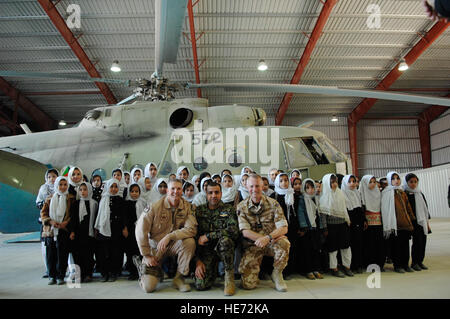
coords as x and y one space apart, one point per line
22 267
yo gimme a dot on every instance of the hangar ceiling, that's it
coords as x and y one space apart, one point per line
231 37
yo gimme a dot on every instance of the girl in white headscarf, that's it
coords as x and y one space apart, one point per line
46 191
271 177
136 175
266 187
83 214
151 170
188 191
135 205
146 188
421 225
333 204
229 190
295 174
398 220
183 173
373 236
284 194
159 190
196 182
123 187
127 177
55 216
75 177
111 227
357 219
200 198
243 191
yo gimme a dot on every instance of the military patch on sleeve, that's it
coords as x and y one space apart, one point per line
224 214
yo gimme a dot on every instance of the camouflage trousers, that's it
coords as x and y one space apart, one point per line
253 255
219 250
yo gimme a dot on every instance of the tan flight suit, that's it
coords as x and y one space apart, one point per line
262 219
161 220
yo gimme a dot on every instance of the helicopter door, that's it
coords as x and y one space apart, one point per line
315 150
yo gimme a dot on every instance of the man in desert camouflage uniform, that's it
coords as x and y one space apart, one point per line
263 226
217 233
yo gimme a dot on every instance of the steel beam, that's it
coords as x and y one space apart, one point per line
194 45
313 39
72 41
43 120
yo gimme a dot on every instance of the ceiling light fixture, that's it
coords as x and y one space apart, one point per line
115 67
262 66
334 118
62 123
403 66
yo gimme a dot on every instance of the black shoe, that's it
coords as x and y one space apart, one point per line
104 278
409 269
348 272
52 281
421 265
360 270
112 278
337 273
416 267
399 270
237 276
45 276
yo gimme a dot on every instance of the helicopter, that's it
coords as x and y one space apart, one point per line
151 125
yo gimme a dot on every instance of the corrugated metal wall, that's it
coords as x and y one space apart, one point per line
440 140
383 145
434 184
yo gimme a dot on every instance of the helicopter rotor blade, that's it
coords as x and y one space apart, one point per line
169 19
324 90
8 73
131 97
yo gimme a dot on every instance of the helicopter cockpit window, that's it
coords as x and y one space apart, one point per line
315 150
331 150
297 154
92 115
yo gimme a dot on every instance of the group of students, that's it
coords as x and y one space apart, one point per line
361 223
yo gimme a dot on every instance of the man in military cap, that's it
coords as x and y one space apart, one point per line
263 226
217 233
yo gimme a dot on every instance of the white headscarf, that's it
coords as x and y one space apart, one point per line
333 202
47 189
243 189
371 198
295 170
132 180
82 210
58 204
180 169
228 193
122 184
422 212
287 192
189 199
243 170
311 206
155 194
200 198
124 173
147 172
146 195
352 196
388 207
71 182
141 202
103 223
193 180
